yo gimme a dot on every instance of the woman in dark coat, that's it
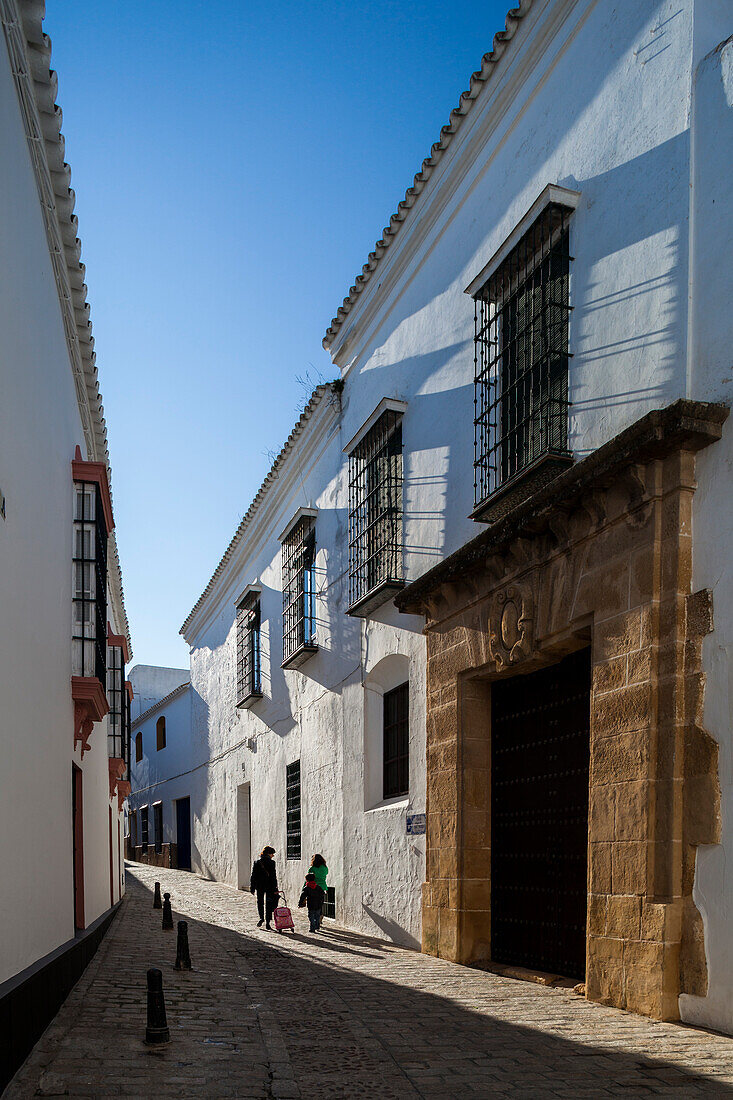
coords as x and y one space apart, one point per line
264 882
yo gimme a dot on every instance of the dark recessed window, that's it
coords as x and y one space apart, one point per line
248 649
158 825
292 807
133 829
521 355
396 741
160 733
117 699
138 747
144 826
329 903
299 587
89 638
375 510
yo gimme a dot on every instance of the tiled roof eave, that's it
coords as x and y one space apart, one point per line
29 50
315 400
161 703
448 132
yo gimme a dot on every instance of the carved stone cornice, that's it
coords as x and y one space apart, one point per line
611 469
117 769
123 791
90 706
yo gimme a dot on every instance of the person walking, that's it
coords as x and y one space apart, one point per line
319 870
312 896
264 882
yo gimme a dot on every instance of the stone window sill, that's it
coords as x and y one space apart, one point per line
399 803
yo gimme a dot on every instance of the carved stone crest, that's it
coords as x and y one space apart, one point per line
511 626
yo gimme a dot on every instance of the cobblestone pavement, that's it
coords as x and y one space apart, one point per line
338 1016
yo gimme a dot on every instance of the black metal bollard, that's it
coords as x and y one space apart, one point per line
157 1030
183 955
167 925
157 900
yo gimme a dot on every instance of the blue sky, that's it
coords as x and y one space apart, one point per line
234 164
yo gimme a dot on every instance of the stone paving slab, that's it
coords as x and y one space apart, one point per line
339 1015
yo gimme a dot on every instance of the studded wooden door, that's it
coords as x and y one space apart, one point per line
540 748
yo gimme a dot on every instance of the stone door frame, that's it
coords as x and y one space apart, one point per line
603 554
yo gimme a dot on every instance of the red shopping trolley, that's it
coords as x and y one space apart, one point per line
283 917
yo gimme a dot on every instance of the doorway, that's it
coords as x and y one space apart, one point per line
77 816
244 836
540 751
183 833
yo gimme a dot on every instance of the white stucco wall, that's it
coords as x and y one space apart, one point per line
711 376
151 683
39 429
314 714
162 774
625 104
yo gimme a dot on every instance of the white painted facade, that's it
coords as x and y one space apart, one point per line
151 683
631 106
171 763
49 405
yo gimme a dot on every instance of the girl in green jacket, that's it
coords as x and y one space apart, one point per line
319 869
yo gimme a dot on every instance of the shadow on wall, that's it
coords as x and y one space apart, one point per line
644 316
392 929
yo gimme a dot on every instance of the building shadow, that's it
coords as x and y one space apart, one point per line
402 1032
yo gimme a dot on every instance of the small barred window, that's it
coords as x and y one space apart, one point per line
248 649
299 587
396 759
292 800
375 511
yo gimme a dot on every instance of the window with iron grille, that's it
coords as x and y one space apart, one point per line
292 809
521 356
144 826
158 825
133 828
299 587
89 637
126 727
396 767
117 699
329 903
375 510
248 649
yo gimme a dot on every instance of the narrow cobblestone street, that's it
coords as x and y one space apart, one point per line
338 1015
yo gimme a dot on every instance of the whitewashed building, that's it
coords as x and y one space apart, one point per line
516 501
64 637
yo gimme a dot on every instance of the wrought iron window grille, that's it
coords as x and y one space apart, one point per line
375 515
521 357
126 730
292 810
299 591
396 744
117 729
89 596
249 680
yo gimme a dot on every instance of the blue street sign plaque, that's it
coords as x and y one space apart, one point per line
415 824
